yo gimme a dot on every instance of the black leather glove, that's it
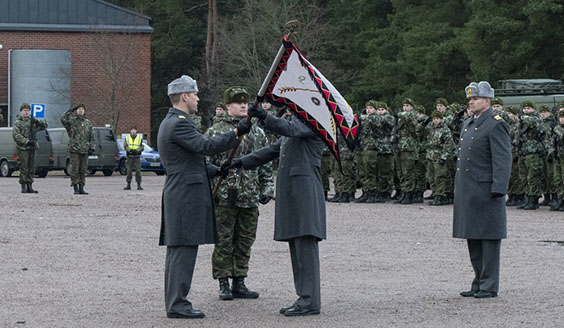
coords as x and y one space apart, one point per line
243 128
257 111
265 199
497 194
442 161
225 166
31 143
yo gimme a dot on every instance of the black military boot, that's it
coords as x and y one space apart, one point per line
557 205
378 197
526 203
519 199
224 290
81 189
546 200
346 197
128 187
363 198
408 199
554 200
533 204
396 194
24 188
561 208
30 189
510 200
450 198
75 187
325 193
241 291
335 198
400 198
418 197
139 186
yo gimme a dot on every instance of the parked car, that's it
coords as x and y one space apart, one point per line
150 159
104 158
9 156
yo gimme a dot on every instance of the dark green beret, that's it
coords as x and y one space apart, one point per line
235 95
544 108
529 103
441 101
437 114
497 101
409 101
25 105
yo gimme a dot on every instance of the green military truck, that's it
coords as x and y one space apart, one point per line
9 155
104 158
540 91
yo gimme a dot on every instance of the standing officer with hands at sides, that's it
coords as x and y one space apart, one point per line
133 145
482 177
188 217
300 201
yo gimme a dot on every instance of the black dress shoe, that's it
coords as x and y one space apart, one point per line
299 311
468 293
190 314
485 294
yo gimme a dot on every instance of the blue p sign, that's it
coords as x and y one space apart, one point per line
38 110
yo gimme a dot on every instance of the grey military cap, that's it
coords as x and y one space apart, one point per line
181 85
480 89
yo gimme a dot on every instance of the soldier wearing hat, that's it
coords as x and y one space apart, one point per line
367 154
238 200
531 139
407 144
558 205
548 183
384 175
188 214
422 133
516 190
482 176
25 128
439 151
344 178
133 146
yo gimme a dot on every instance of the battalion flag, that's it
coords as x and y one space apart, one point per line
294 81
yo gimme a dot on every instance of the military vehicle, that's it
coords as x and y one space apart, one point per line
9 154
540 91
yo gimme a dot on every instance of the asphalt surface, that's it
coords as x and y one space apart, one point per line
94 261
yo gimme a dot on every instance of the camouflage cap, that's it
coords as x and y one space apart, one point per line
561 114
497 101
409 101
372 103
544 108
454 107
25 105
480 89
529 103
235 95
382 104
183 84
441 101
221 105
512 110
437 114
420 109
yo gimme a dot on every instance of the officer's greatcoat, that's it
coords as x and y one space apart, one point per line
300 201
483 167
188 216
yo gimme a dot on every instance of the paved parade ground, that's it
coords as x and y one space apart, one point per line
94 261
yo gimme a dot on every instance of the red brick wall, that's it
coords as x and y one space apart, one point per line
91 78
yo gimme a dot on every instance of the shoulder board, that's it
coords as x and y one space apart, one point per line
182 116
497 117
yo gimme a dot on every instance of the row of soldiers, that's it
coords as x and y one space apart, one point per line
410 152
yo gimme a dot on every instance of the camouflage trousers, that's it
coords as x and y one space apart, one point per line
559 177
79 164
236 230
326 171
548 185
385 172
368 169
345 181
407 171
26 164
532 174
421 174
130 162
438 176
515 183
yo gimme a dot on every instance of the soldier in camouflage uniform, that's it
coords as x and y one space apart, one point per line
345 181
531 137
548 188
237 201
384 126
558 150
440 147
23 133
421 164
406 141
81 143
515 190
367 154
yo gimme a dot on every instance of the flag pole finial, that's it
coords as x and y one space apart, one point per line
293 29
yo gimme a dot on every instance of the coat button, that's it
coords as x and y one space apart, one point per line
467 170
472 138
458 169
475 129
283 155
459 148
469 148
459 158
467 158
465 130
461 139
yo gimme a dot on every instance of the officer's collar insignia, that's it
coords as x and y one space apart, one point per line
497 117
181 116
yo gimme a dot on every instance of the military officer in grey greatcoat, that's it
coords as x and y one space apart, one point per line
482 176
300 203
188 217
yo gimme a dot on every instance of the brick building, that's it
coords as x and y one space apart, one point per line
64 52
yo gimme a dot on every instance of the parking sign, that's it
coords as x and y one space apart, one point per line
38 110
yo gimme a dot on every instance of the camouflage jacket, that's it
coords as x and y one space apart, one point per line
548 124
81 135
514 127
251 184
197 122
384 127
344 151
21 132
531 135
368 132
440 146
406 137
559 141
